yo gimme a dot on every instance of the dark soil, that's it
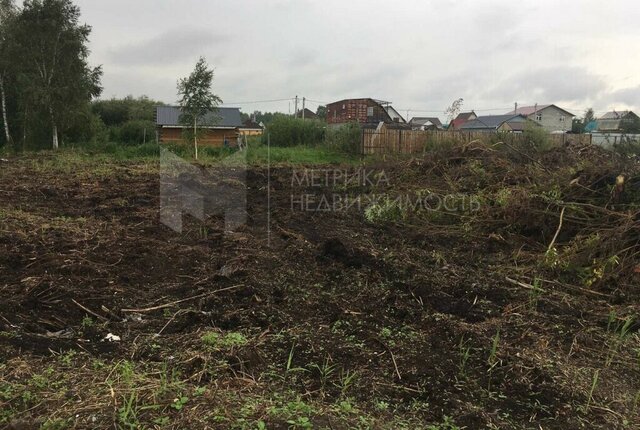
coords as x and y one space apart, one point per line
418 308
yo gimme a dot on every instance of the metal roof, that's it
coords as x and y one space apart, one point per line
490 122
169 116
616 114
464 115
422 120
529 110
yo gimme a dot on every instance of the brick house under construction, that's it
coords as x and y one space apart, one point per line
366 111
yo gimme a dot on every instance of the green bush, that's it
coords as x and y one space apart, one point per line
287 131
347 138
133 132
536 137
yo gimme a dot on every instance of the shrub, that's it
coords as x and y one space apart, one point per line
536 137
347 138
386 211
287 131
133 132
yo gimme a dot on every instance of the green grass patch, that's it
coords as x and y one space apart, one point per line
229 340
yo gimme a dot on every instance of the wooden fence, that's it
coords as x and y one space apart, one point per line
390 141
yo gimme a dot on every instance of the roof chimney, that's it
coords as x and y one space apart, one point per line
516 109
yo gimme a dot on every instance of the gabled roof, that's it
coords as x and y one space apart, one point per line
462 117
617 114
380 102
615 120
308 114
491 122
423 120
530 110
249 123
394 114
169 116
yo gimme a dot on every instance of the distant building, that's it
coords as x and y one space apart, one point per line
307 114
616 122
462 118
425 123
251 128
550 117
219 126
365 111
495 123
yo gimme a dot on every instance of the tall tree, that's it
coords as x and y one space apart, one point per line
7 14
588 116
196 98
322 112
51 48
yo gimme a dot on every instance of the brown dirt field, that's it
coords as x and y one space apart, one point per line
334 320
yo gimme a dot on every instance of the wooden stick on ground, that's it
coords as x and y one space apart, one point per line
89 311
553 241
167 305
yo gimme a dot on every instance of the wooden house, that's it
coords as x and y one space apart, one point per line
216 128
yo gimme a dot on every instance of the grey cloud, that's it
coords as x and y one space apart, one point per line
552 84
170 47
626 96
422 55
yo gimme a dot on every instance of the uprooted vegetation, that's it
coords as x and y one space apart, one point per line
477 286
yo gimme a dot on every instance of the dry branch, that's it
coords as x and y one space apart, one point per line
167 305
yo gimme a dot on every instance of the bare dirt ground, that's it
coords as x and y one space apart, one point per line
380 318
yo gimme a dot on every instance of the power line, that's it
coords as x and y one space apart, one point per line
258 101
318 102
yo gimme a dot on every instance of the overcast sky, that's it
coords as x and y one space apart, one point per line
420 55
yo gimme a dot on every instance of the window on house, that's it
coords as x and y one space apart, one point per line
562 118
370 111
539 117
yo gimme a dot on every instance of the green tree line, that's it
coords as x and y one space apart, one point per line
46 82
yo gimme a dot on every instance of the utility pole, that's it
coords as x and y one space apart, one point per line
304 103
295 115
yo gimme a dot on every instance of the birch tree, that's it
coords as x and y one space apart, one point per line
453 110
54 74
7 14
196 98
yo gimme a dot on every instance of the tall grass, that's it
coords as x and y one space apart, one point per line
261 154
286 131
347 138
